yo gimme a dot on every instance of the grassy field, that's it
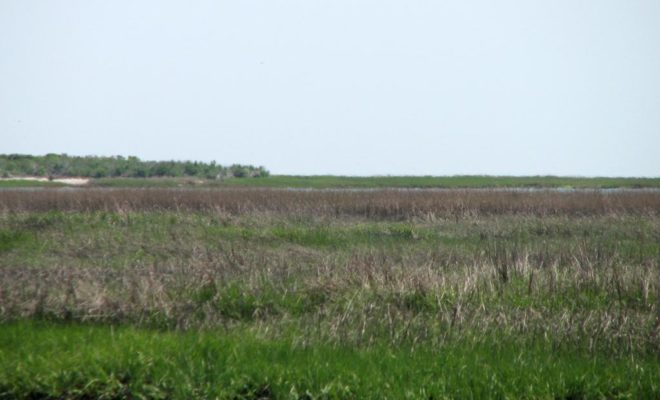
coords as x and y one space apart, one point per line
324 182
12 184
443 182
263 293
327 182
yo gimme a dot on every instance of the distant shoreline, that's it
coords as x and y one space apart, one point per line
344 182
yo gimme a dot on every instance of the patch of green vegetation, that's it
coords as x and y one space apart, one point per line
235 301
323 236
445 182
520 292
10 239
341 237
148 182
10 184
39 360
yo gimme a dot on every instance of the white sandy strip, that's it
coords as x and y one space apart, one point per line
66 181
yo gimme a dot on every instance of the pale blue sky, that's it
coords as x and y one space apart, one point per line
358 87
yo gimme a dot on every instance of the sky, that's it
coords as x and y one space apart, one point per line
351 87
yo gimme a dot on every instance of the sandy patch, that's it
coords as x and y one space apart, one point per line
66 181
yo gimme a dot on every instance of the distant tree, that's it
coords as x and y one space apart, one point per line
100 173
239 171
64 165
262 172
190 169
139 172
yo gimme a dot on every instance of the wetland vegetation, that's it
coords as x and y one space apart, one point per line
267 293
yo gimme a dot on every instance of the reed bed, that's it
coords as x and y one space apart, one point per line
372 204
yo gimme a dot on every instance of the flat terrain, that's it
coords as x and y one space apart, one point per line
321 182
324 182
266 293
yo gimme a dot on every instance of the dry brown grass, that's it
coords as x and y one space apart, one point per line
368 296
370 204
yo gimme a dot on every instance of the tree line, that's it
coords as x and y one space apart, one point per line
63 165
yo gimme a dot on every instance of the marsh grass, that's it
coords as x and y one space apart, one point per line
120 362
376 204
253 294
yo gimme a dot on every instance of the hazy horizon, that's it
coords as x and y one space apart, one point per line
370 88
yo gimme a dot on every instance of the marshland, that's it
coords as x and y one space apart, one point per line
461 200
274 293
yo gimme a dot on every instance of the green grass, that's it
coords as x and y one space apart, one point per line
124 238
11 184
10 239
43 361
328 181
158 236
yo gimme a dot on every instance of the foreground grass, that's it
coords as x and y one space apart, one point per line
329 181
40 360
